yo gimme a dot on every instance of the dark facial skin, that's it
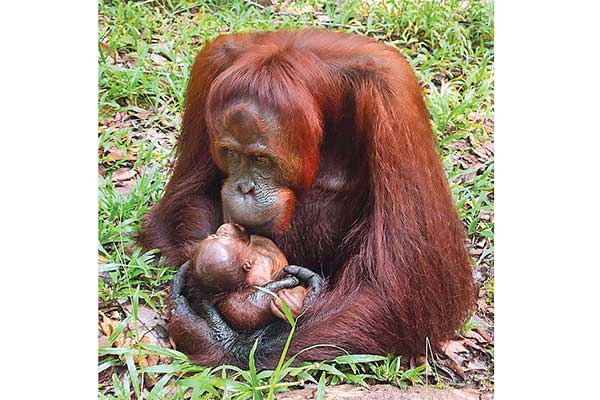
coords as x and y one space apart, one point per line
256 193
228 264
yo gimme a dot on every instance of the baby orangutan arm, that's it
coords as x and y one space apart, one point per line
249 308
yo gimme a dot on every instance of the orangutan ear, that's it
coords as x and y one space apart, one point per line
189 249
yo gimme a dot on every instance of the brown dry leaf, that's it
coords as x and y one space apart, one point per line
475 252
145 114
102 340
132 154
105 47
323 18
163 83
107 325
488 126
127 189
115 154
471 343
475 365
455 350
484 334
454 367
294 9
124 342
112 57
467 161
416 361
474 117
471 175
123 174
485 215
150 359
482 152
487 395
147 318
150 323
118 120
460 144
157 59
102 259
472 334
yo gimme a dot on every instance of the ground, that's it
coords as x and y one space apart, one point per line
145 53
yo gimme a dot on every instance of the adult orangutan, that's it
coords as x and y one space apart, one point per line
320 141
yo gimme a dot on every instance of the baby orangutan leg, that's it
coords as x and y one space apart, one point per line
293 299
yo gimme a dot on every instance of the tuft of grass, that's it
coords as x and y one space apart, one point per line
145 52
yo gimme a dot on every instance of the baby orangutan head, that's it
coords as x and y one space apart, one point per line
231 258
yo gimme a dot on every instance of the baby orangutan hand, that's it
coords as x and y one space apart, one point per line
293 299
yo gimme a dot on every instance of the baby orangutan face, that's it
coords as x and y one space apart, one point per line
230 258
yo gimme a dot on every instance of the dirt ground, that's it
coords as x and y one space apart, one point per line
383 392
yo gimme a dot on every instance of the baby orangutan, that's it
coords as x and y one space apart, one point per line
225 268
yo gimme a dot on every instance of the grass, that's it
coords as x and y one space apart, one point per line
145 51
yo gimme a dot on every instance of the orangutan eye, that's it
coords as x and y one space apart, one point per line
261 160
229 154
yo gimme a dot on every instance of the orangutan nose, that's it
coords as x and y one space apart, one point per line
246 187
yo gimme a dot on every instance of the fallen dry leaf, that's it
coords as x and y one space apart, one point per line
483 153
474 169
123 174
474 117
107 325
475 252
125 189
112 57
114 154
150 327
472 334
145 114
484 334
455 350
472 344
322 17
475 365
102 340
105 47
157 59
453 366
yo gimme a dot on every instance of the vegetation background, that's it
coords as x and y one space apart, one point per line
145 51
